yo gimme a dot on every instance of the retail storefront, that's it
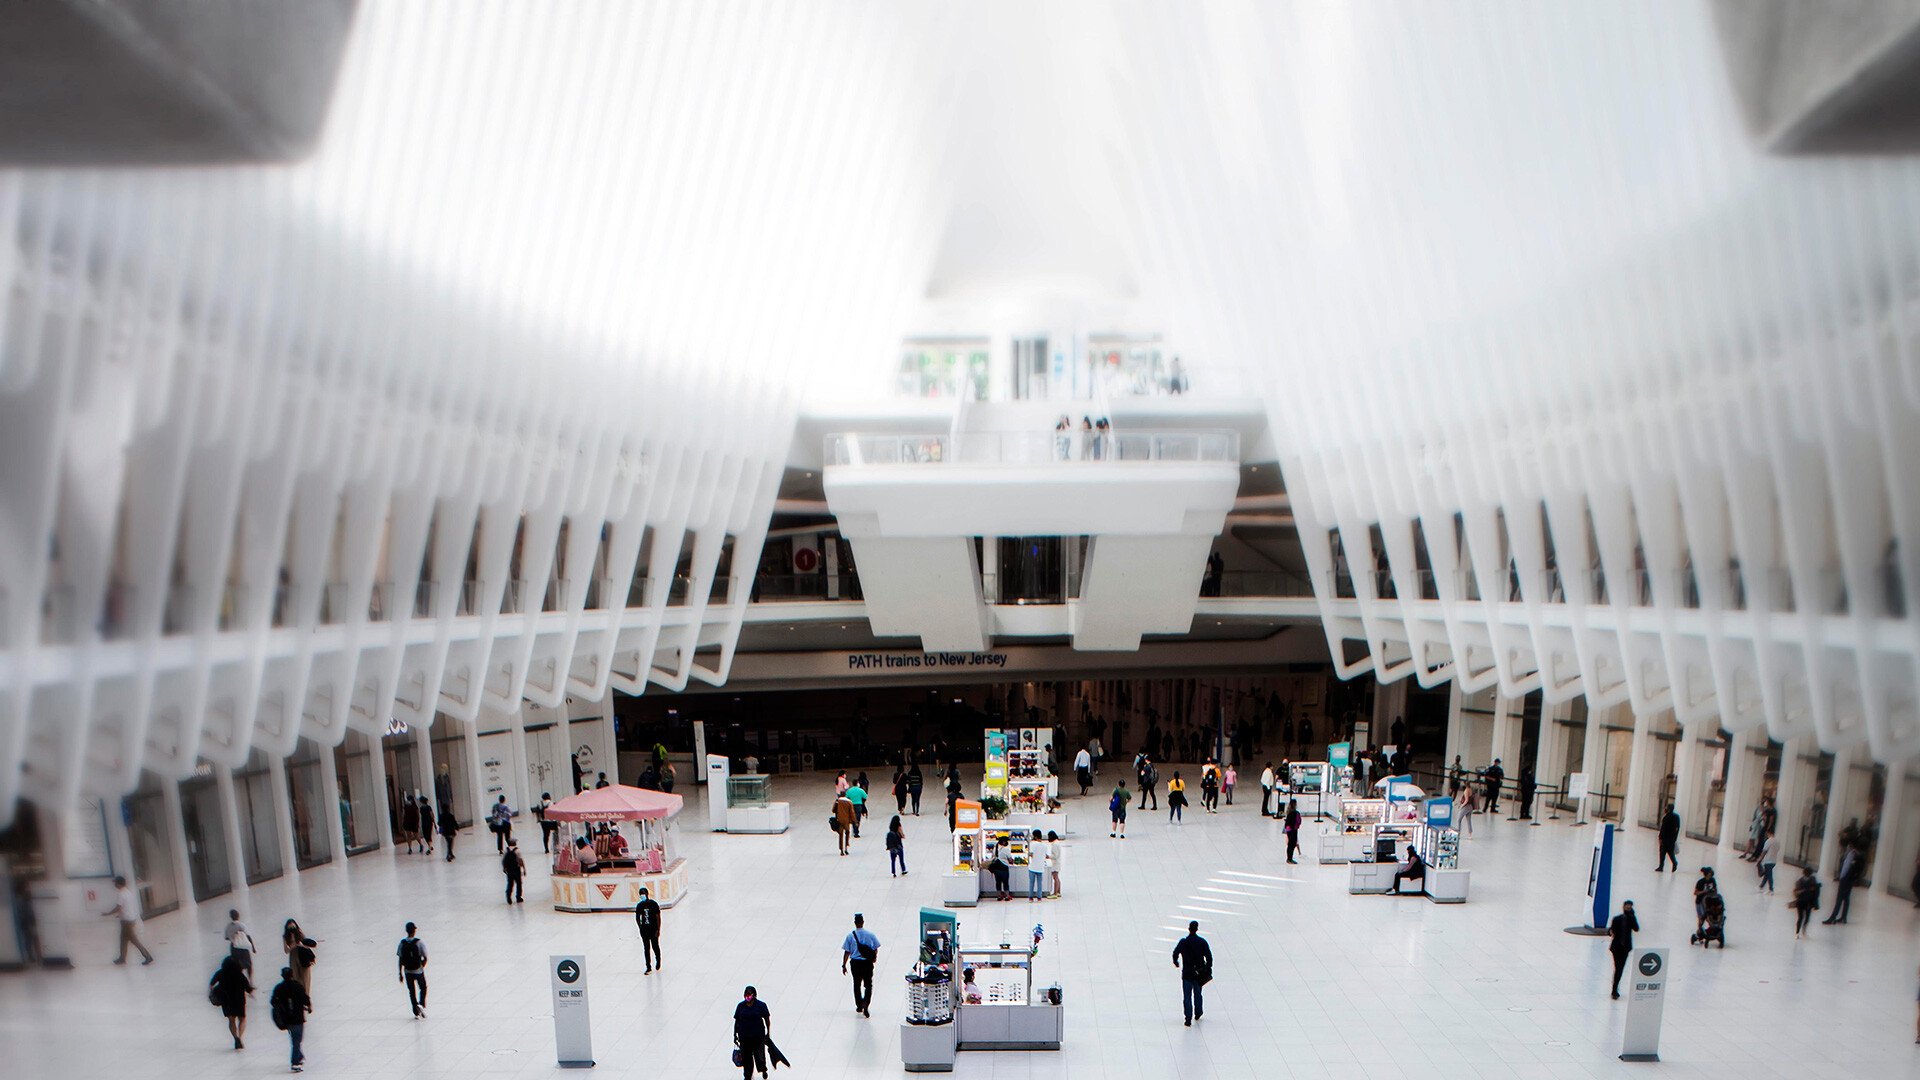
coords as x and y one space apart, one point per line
150 833
452 784
259 828
353 765
309 804
205 828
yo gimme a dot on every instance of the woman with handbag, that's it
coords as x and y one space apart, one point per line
300 955
229 988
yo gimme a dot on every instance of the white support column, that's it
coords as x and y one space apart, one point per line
1506 733
283 815
476 791
518 790
565 723
1742 796
182 864
336 829
1884 872
383 818
1591 747
423 772
230 820
1686 793
1550 751
1837 788
1796 792
1637 778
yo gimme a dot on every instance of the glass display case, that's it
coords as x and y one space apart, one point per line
1439 848
748 789
995 975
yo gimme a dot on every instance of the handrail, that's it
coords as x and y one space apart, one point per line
1072 446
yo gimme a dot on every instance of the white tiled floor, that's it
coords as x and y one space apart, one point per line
1311 982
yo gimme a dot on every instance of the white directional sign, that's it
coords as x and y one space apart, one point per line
1648 970
572 1033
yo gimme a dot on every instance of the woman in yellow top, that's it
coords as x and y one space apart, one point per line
1176 797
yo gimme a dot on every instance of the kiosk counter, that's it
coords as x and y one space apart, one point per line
615 841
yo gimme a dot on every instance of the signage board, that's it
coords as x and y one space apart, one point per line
572 1034
1645 1000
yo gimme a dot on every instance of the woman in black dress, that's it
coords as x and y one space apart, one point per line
231 988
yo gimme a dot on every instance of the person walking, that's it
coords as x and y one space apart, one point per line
300 955
515 868
1083 769
1806 900
1769 857
1210 788
1227 777
1149 777
548 829
1620 930
1117 809
240 944
500 819
857 795
1194 957
1851 865
1053 860
1176 797
752 1031
1669 840
1293 830
426 823
841 783
229 988
1036 868
915 783
843 819
899 791
896 848
646 916
1266 790
289 1005
1469 806
449 828
859 952
1494 776
412 955
127 906
1701 887
410 821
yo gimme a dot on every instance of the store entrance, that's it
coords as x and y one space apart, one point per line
358 802
405 777
151 838
259 826
206 838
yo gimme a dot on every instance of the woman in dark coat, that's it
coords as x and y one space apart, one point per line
231 987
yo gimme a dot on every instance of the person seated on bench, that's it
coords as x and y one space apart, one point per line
1416 870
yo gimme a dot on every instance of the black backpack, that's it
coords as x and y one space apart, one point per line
410 957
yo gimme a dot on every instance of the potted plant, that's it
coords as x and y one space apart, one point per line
993 808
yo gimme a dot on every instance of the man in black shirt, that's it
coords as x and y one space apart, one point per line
752 1027
1494 776
289 1006
515 868
413 970
1669 840
646 914
1621 931
1194 957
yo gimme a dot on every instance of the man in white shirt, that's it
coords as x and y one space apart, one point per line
1266 790
127 906
1083 769
239 942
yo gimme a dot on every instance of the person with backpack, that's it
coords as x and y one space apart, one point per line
1149 778
229 989
896 848
860 950
548 829
1117 808
1293 830
300 955
1194 957
646 916
1806 900
289 1005
515 868
240 944
1210 788
413 970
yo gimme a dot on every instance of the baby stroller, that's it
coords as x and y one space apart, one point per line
1713 922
